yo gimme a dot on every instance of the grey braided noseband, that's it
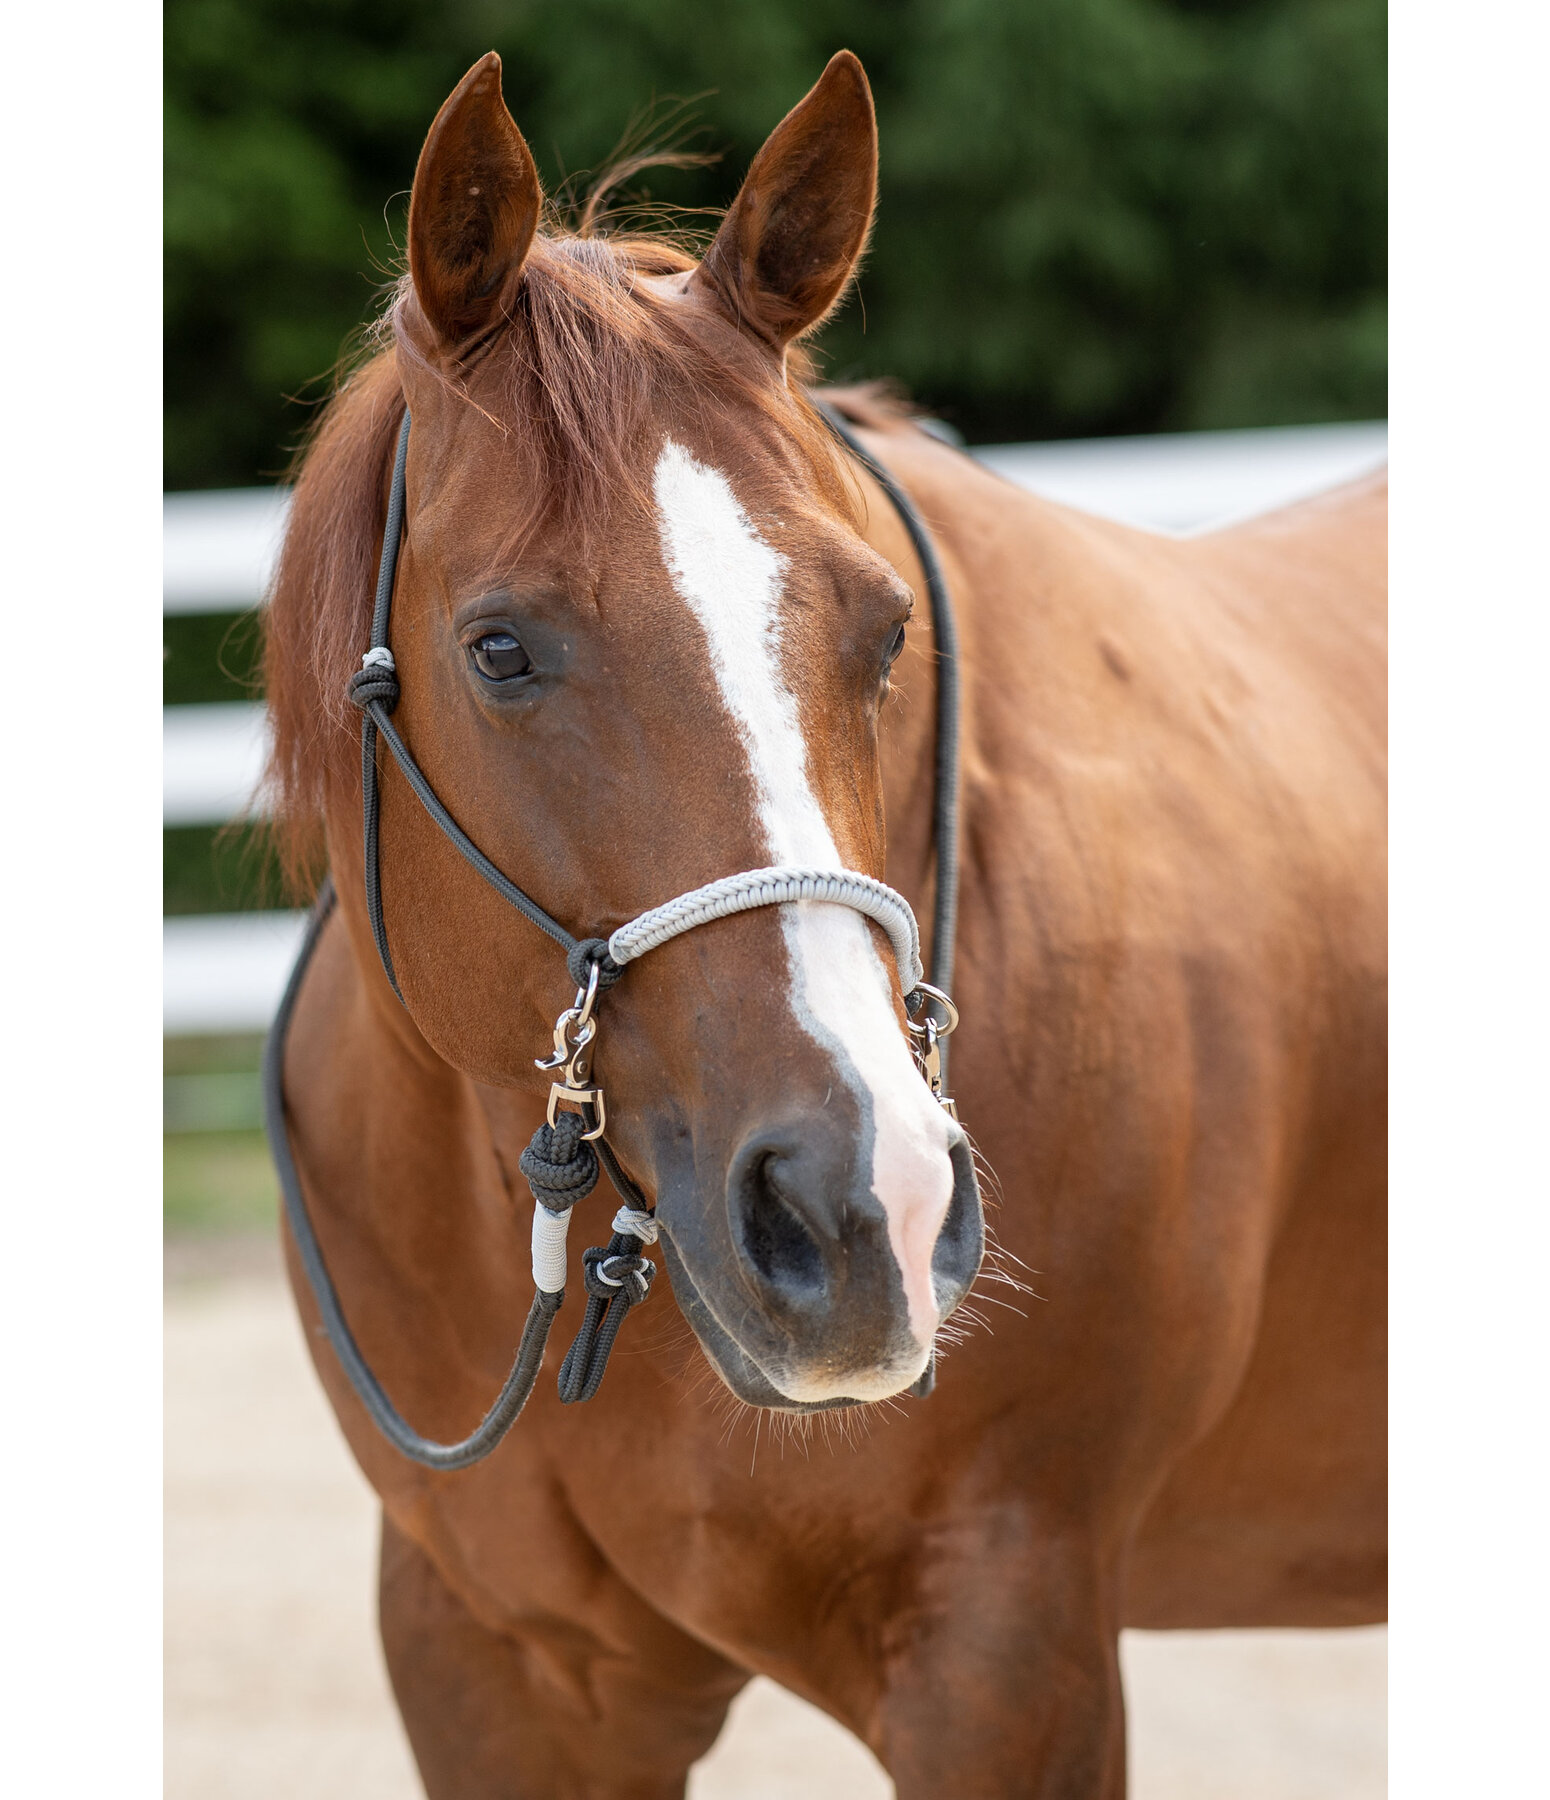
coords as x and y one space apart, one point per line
777 887
563 1161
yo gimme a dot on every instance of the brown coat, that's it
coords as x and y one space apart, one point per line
1172 1064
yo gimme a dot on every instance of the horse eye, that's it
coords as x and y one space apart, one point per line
895 648
499 657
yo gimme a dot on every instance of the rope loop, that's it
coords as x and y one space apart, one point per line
609 1275
376 679
580 958
617 1281
560 1165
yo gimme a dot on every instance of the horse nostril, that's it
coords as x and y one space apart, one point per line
960 1247
775 1239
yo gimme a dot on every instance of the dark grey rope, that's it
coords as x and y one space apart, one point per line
385 691
461 842
617 1279
392 537
560 1165
944 630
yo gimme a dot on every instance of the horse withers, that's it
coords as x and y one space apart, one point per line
649 630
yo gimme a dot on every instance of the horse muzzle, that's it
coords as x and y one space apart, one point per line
799 1299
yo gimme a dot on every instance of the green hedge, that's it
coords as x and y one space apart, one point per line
211 656
1097 215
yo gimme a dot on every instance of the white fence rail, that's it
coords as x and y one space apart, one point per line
226 973
218 550
212 758
1195 480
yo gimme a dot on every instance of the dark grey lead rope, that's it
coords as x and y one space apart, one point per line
561 1166
384 1415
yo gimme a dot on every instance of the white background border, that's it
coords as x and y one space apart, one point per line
1471 917
80 740
80 1319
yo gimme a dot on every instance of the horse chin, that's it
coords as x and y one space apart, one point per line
749 1382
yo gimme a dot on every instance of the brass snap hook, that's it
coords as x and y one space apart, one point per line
575 1034
938 1019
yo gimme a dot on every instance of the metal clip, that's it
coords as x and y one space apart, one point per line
939 1020
575 1033
561 1093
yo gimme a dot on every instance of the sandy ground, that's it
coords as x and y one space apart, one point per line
275 1684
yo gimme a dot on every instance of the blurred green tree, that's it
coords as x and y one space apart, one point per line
1096 215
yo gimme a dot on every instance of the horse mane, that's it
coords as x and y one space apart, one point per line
578 368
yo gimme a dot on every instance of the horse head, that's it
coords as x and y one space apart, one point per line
642 644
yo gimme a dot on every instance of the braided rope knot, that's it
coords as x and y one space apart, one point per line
375 679
560 1165
617 1277
777 887
633 1222
580 958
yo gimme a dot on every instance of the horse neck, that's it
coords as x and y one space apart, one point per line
1150 768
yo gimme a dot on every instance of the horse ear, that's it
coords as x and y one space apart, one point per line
474 207
789 245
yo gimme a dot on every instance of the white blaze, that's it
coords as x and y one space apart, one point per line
732 581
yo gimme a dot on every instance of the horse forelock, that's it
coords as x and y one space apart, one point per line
577 384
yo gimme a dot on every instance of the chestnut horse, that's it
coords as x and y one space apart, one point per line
645 615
